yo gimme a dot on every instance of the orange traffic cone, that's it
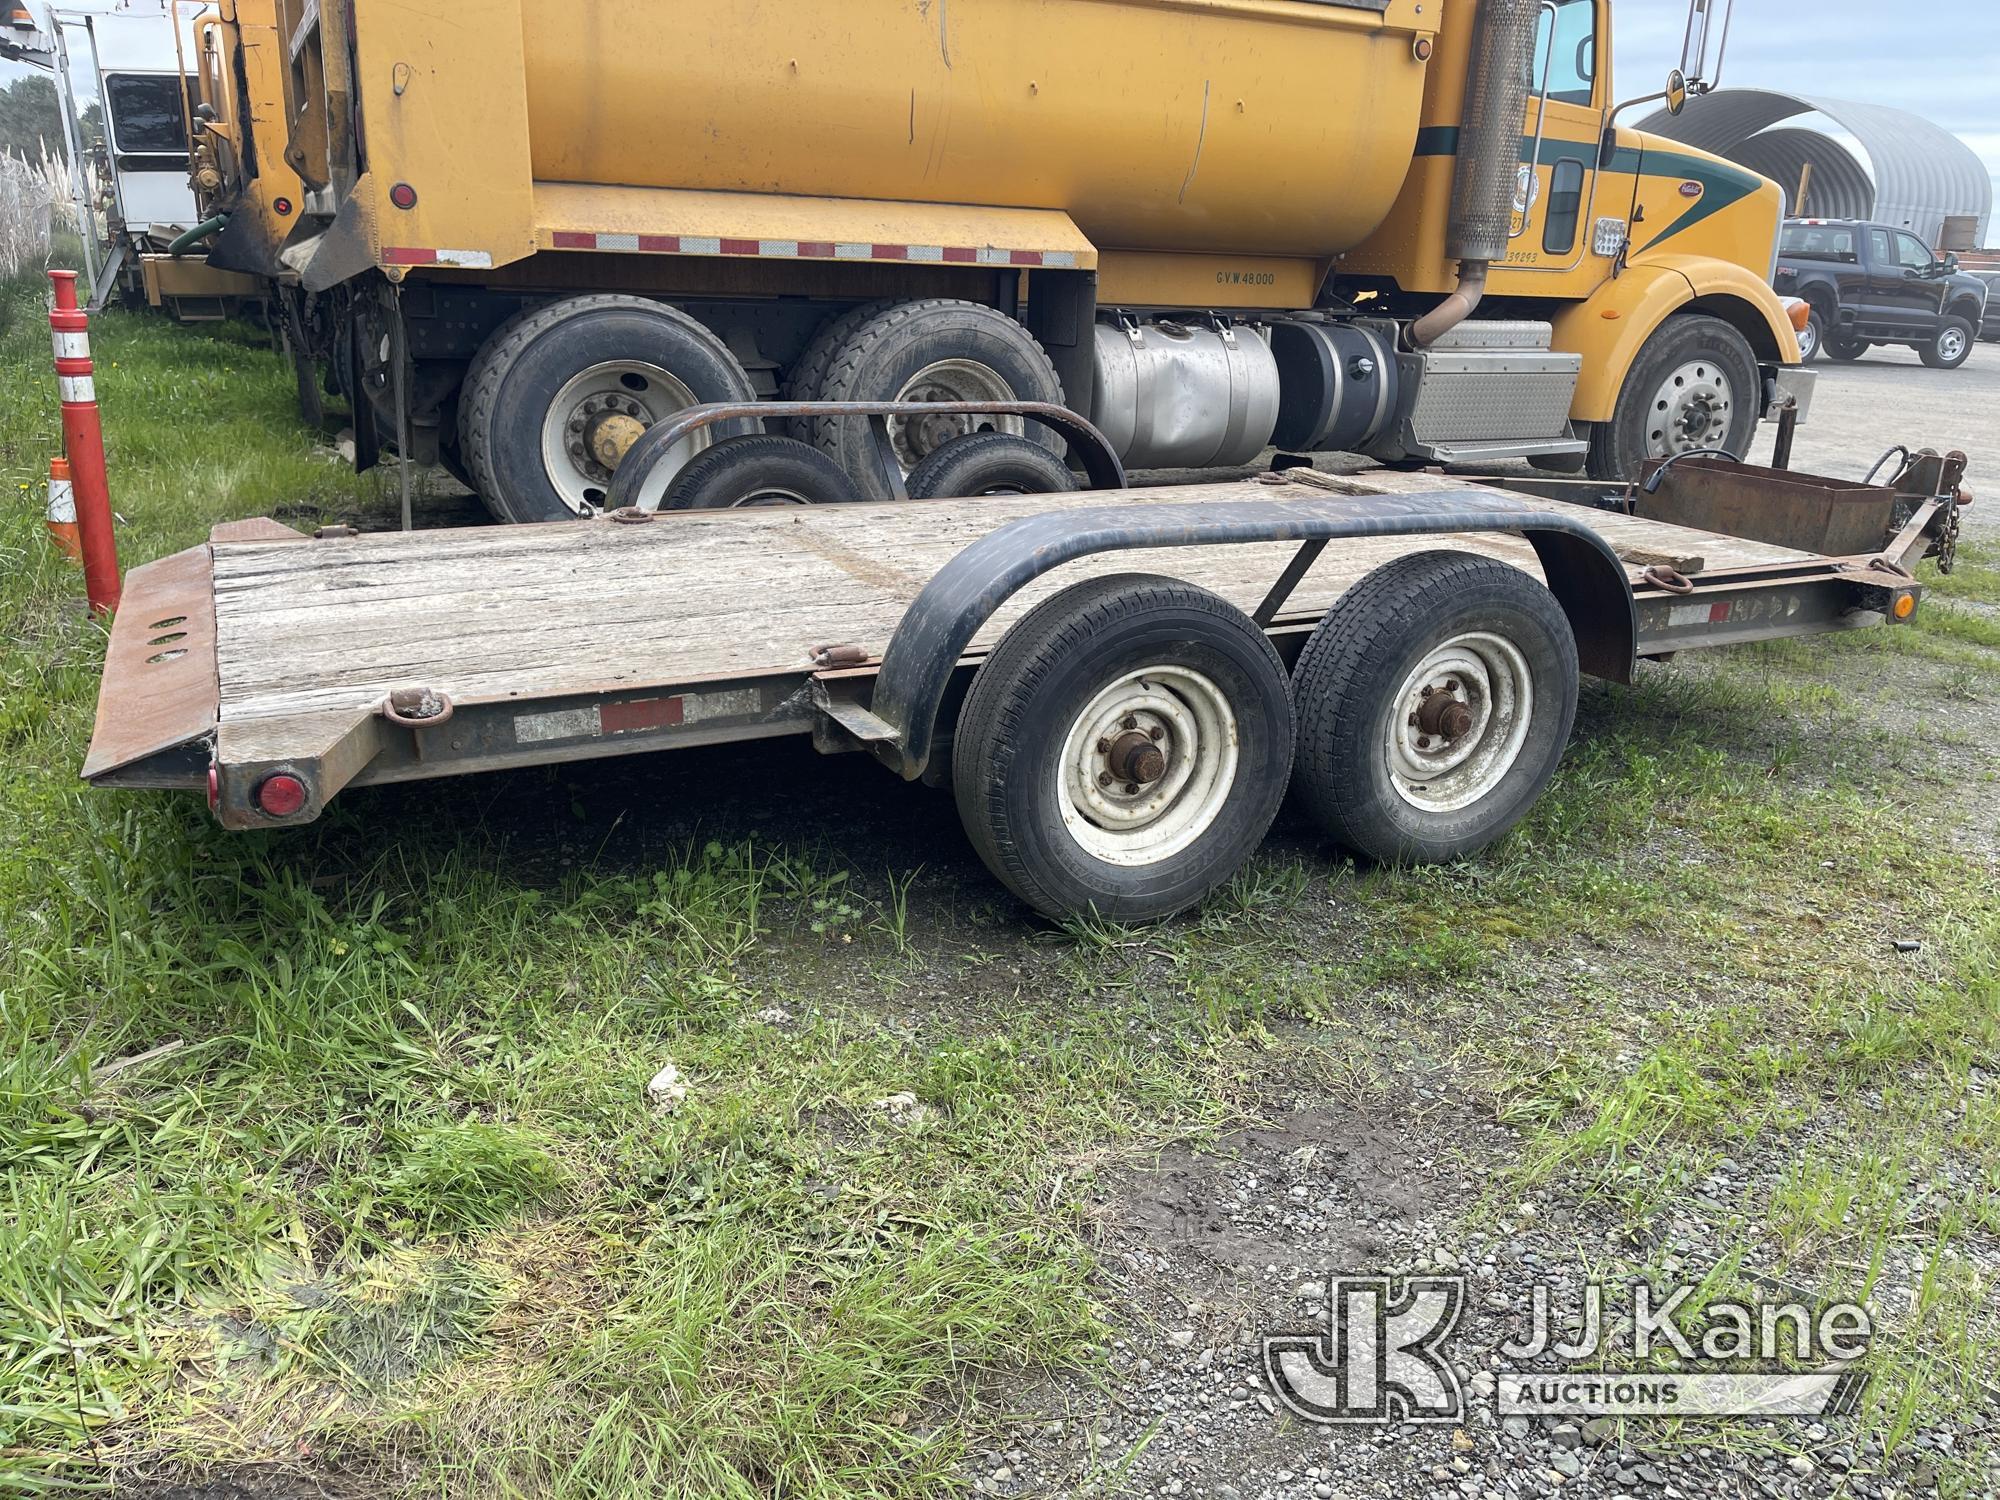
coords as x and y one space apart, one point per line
62 511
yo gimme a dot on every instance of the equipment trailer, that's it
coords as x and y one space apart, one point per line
1102 678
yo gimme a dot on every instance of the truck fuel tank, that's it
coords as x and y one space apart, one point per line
1180 396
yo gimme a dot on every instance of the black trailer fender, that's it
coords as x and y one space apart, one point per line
1583 573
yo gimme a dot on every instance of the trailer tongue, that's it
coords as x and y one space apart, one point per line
1115 740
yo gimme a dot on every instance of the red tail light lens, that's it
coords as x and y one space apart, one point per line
281 795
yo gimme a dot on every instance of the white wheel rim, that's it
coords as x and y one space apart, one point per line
620 387
1951 343
1460 721
1692 410
1189 721
770 494
1808 341
916 438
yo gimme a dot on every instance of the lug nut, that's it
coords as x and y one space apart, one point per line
1423 742
1104 778
1104 747
1156 733
1130 722
1131 788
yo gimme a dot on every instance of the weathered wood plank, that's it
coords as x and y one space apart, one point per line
491 613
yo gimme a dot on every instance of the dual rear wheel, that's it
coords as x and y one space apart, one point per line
560 392
1129 742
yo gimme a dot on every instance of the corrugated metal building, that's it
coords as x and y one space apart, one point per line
1925 178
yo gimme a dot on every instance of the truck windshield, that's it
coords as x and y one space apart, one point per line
147 115
1572 64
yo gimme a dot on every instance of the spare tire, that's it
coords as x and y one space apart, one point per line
555 387
938 350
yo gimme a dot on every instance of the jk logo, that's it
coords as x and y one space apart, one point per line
1378 1360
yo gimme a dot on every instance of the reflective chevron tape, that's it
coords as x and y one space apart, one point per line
692 244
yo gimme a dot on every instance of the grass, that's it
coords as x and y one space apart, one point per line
333 1151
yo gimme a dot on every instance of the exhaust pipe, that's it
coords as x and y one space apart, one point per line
1489 158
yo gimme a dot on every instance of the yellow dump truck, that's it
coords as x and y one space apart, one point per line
518 235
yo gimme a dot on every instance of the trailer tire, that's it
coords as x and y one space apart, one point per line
990 463
652 360
1123 656
939 349
807 376
1441 787
759 469
1694 385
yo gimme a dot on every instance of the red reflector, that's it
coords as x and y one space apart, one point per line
403 195
282 205
281 795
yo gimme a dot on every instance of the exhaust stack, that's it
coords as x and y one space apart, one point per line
1489 158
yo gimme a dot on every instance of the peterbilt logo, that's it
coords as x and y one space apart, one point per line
1690 190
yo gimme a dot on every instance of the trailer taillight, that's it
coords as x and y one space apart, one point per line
280 795
403 195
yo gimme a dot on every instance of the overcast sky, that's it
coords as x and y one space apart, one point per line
1940 58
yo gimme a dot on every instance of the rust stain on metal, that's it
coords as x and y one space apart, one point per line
256 529
844 654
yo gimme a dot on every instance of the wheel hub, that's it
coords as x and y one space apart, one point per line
1693 409
1462 720
916 438
1444 716
593 421
1147 765
1134 757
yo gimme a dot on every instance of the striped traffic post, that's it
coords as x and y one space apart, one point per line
62 510
83 442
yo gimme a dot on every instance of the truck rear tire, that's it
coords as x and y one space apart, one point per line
550 374
936 350
1694 385
759 469
1124 749
1434 703
990 463
1951 348
807 376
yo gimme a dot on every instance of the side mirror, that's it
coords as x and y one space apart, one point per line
1677 92
1950 265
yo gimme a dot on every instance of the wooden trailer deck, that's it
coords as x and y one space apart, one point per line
306 634
495 613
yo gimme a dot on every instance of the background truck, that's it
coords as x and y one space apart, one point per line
517 237
1871 284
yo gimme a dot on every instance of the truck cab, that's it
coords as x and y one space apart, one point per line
1870 284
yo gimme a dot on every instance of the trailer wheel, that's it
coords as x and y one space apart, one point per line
559 392
759 470
1434 704
937 350
1124 749
990 463
1694 385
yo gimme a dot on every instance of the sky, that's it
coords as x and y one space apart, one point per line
1939 58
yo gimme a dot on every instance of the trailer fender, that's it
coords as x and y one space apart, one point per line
1582 571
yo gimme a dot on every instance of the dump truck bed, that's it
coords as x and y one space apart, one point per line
597 637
